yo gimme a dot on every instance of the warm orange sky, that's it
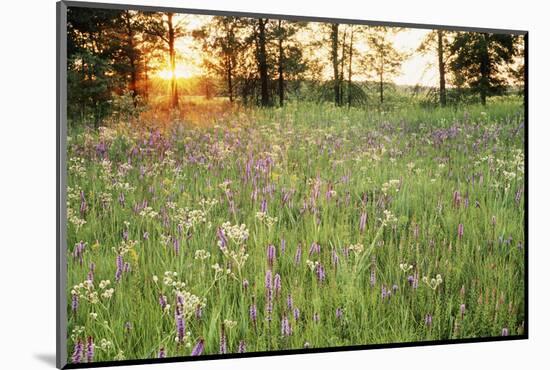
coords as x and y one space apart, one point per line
417 69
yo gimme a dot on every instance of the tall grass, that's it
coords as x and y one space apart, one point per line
440 192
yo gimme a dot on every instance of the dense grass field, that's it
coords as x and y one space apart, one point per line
304 226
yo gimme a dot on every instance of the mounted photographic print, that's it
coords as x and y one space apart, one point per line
236 184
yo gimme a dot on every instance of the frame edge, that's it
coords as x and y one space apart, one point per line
61 141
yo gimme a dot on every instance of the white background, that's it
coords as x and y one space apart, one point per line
27 182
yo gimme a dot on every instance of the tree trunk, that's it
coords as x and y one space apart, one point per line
343 60
485 66
172 50
131 57
349 67
334 56
262 61
145 80
280 67
442 89
230 78
381 88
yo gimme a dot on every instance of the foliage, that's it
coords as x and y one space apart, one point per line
478 61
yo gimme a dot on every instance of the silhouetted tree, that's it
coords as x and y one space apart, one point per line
479 59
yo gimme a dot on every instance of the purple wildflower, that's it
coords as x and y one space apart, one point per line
298 255
460 231
395 288
314 248
162 353
505 332
372 276
286 329
90 350
180 300
146 235
162 301
253 312
74 302
223 341
289 302
245 284
456 199
296 314
263 206
413 280
269 304
180 326
270 254
199 348
91 272
268 280
385 292
78 352
320 272
339 313
242 347
119 267
462 310
222 239
79 251
283 246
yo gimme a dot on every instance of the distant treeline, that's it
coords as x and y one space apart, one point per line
265 62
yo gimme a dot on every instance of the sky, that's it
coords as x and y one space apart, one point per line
416 69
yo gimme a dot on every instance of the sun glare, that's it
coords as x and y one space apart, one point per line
181 72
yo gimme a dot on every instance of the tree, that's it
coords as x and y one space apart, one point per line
151 50
335 62
163 26
516 70
289 60
222 48
92 48
351 52
130 54
262 61
438 41
479 60
382 61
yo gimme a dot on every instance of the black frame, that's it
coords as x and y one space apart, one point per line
61 135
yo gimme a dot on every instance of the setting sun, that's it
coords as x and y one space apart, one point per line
181 72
